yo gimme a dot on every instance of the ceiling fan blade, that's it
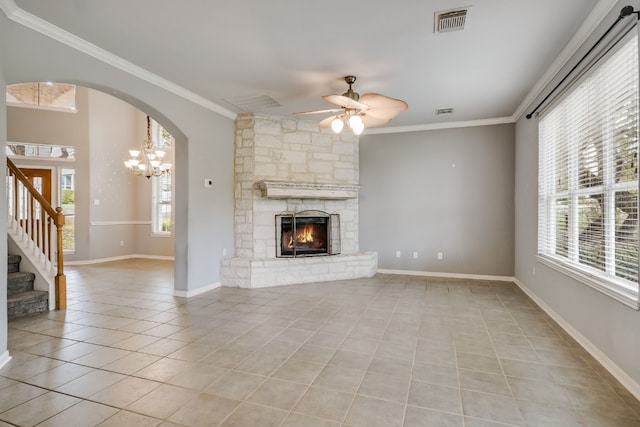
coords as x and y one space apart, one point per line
331 110
345 102
326 122
383 107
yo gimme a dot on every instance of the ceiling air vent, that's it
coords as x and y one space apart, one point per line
253 102
441 111
451 20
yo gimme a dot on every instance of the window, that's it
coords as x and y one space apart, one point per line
161 220
44 151
68 204
48 95
588 178
161 185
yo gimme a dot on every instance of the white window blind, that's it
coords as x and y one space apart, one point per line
588 176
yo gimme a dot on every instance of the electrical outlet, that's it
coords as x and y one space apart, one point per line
121 242
415 255
440 255
398 254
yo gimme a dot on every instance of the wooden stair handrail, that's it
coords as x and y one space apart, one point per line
58 219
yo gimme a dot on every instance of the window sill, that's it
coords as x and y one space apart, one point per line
618 293
160 234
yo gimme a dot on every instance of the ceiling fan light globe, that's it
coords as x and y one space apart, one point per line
337 124
355 121
356 124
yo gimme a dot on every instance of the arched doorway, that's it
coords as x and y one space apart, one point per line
113 210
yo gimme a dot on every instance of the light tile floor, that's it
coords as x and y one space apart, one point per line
387 351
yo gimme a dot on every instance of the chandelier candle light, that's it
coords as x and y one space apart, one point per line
148 160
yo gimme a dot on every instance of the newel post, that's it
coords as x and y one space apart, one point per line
61 279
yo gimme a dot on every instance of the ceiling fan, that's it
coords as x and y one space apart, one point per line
368 110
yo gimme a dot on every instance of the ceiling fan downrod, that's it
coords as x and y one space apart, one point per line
350 93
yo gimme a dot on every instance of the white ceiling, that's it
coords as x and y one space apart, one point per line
295 51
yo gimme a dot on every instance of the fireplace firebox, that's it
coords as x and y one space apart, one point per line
307 233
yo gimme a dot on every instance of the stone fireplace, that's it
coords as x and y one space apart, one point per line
292 170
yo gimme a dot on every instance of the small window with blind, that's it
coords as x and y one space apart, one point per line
588 178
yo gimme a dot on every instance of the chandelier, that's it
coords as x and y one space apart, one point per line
148 160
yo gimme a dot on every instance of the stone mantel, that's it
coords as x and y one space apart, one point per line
306 190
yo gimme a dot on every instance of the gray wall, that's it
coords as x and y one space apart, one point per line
125 200
51 127
113 130
610 326
448 191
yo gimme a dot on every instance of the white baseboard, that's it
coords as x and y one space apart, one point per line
194 292
604 360
447 275
4 358
118 258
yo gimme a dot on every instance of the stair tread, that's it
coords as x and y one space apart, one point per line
13 263
20 274
26 297
19 281
22 299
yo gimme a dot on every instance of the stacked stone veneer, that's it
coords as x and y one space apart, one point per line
269 148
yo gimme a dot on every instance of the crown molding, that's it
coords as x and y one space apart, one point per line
46 28
438 126
9 7
598 13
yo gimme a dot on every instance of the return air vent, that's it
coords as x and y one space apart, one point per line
252 103
451 20
443 111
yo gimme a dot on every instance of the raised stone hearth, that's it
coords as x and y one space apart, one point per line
260 273
287 166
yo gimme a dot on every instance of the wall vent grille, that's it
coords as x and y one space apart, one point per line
441 111
451 20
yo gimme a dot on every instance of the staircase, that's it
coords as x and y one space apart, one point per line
22 300
30 226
